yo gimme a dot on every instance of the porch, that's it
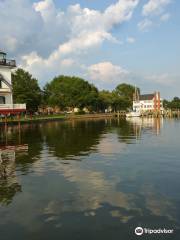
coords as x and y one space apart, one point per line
12 108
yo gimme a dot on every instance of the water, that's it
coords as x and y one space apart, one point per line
90 179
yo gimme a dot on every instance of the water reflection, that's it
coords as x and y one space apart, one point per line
9 184
146 124
73 138
117 182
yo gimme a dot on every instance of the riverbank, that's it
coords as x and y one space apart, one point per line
36 119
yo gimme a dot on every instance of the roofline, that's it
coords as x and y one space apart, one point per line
3 52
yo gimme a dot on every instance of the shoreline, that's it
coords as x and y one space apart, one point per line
57 118
70 117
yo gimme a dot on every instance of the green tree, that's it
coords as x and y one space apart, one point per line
119 102
174 104
65 91
105 100
166 104
126 91
26 89
123 96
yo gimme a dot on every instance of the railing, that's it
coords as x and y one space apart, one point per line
9 63
12 106
2 90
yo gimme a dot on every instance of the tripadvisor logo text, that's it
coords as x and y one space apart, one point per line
140 231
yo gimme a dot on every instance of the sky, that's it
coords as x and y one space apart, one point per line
105 42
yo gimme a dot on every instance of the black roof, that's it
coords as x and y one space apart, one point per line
146 97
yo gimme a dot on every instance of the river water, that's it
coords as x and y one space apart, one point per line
92 179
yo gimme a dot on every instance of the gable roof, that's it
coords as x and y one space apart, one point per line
146 97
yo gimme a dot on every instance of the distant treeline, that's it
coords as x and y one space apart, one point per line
67 92
174 104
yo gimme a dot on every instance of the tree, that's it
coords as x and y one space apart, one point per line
65 91
26 89
174 104
105 100
123 96
166 104
119 102
126 91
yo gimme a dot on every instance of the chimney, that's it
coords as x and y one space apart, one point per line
159 100
155 101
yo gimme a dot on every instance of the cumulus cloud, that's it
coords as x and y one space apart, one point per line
84 41
68 62
20 25
155 7
42 27
119 12
55 62
44 35
106 73
46 8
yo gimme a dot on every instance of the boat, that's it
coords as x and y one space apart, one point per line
133 114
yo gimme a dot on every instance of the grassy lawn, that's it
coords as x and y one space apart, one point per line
33 118
36 118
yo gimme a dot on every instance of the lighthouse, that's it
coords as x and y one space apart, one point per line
6 90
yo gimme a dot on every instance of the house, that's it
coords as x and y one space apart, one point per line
148 102
6 95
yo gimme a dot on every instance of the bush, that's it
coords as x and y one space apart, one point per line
81 112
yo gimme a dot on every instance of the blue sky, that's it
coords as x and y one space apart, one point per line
106 42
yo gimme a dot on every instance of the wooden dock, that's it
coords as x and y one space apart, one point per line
154 114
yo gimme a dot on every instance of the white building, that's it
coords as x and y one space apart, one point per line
6 96
148 103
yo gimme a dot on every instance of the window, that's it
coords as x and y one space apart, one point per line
2 100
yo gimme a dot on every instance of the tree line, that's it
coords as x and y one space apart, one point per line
66 92
174 104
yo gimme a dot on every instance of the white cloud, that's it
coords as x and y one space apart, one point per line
46 9
131 40
19 25
45 35
155 7
85 41
119 12
145 24
57 59
165 17
42 27
68 62
106 72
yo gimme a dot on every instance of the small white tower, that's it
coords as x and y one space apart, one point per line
6 95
